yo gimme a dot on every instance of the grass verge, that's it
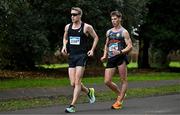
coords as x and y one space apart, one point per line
58 82
8 105
130 65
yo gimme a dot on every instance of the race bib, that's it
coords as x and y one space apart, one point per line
113 46
74 40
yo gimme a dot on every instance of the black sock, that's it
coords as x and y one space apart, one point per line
71 106
88 91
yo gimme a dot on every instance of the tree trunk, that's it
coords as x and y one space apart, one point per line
158 58
143 58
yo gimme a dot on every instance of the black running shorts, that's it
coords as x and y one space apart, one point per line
116 61
77 60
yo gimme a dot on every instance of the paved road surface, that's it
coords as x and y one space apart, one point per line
169 104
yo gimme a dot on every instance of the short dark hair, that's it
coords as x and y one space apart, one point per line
116 13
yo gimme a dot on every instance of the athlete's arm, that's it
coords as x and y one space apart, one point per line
128 42
91 31
65 40
105 47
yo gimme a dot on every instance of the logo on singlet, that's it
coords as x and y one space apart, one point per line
118 35
74 40
80 30
113 46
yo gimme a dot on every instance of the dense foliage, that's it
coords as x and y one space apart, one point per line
160 33
33 29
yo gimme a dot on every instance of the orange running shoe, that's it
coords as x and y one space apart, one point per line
117 105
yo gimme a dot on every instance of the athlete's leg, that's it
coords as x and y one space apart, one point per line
109 72
84 89
72 72
77 82
124 83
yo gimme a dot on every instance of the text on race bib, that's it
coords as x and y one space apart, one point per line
74 40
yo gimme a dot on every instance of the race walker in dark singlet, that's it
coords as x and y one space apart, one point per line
116 42
77 46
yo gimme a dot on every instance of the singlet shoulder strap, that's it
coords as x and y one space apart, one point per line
122 30
70 26
82 27
108 32
82 24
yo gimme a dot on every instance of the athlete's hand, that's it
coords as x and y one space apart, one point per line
103 58
116 52
90 53
64 51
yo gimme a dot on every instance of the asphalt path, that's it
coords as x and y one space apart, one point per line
168 104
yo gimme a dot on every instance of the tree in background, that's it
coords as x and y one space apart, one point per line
30 29
23 40
160 33
57 15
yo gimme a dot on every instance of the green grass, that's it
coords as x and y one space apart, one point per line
100 96
54 66
15 104
174 64
58 82
33 83
65 65
130 65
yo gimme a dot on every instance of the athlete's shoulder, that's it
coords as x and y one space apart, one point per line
108 31
124 29
86 25
67 26
125 33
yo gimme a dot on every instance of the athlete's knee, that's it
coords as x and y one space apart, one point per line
77 82
72 84
124 80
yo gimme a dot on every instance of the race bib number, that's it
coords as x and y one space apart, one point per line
74 40
113 46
